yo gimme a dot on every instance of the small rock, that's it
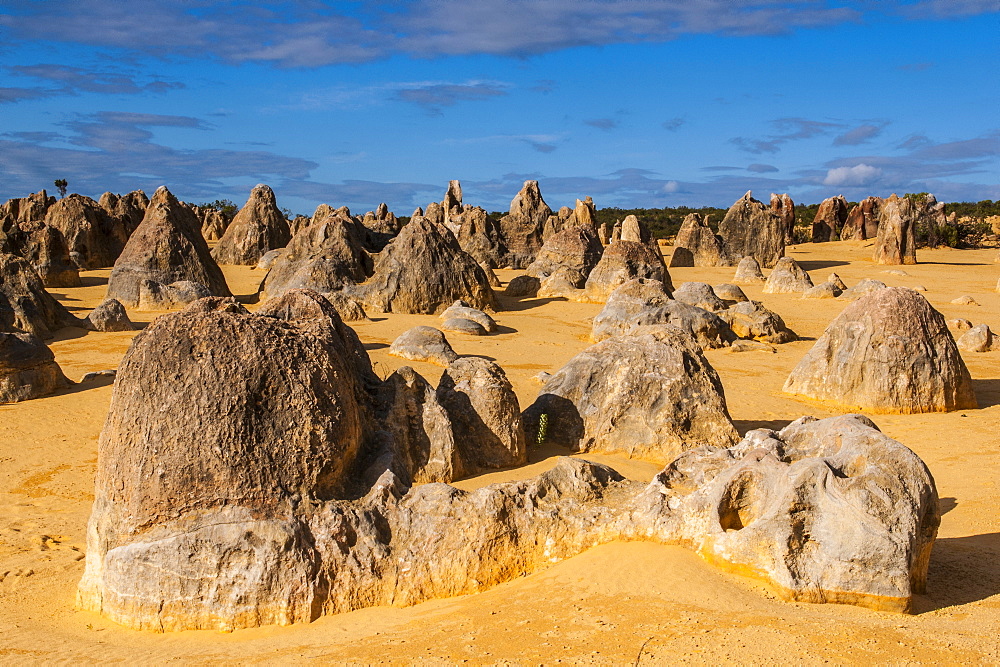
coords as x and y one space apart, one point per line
960 324
837 282
865 286
748 272
751 346
919 288
109 316
825 290
522 286
977 339
965 301
95 375
541 378
787 278
460 309
895 272
730 292
423 344
462 325
700 295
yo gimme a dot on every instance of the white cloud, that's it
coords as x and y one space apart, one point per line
859 174
671 186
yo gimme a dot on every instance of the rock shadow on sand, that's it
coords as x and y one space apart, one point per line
963 570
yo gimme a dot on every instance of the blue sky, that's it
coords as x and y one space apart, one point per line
645 103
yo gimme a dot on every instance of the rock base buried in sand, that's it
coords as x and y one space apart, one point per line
28 368
423 344
889 351
823 511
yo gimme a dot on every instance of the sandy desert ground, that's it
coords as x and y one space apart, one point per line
620 603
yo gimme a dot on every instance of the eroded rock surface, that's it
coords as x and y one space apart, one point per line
25 305
166 247
423 344
696 244
651 394
889 351
787 278
110 315
752 229
257 227
28 368
896 241
623 261
424 270
823 511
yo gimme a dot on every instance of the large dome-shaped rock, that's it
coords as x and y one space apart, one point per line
424 270
323 257
783 207
696 244
889 351
623 261
751 228
896 241
167 247
830 218
650 395
699 294
787 278
93 237
25 306
258 227
28 368
221 425
862 220
577 248
46 249
522 227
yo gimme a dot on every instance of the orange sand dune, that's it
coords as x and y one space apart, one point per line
613 604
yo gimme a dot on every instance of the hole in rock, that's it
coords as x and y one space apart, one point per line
736 506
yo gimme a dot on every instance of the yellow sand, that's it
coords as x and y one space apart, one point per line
604 605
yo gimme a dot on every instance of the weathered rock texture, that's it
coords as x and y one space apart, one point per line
325 257
830 218
748 272
423 344
750 319
258 227
862 220
213 224
46 249
896 242
128 209
623 261
787 278
167 247
245 524
752 229
28 368
157 296
522 227
696 244
110 315
649 395
889 351
25 305
577 248
642 302
783 207
977 339
93 237
480 236
424 270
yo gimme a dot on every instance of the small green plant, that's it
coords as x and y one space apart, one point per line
543 427
62 184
